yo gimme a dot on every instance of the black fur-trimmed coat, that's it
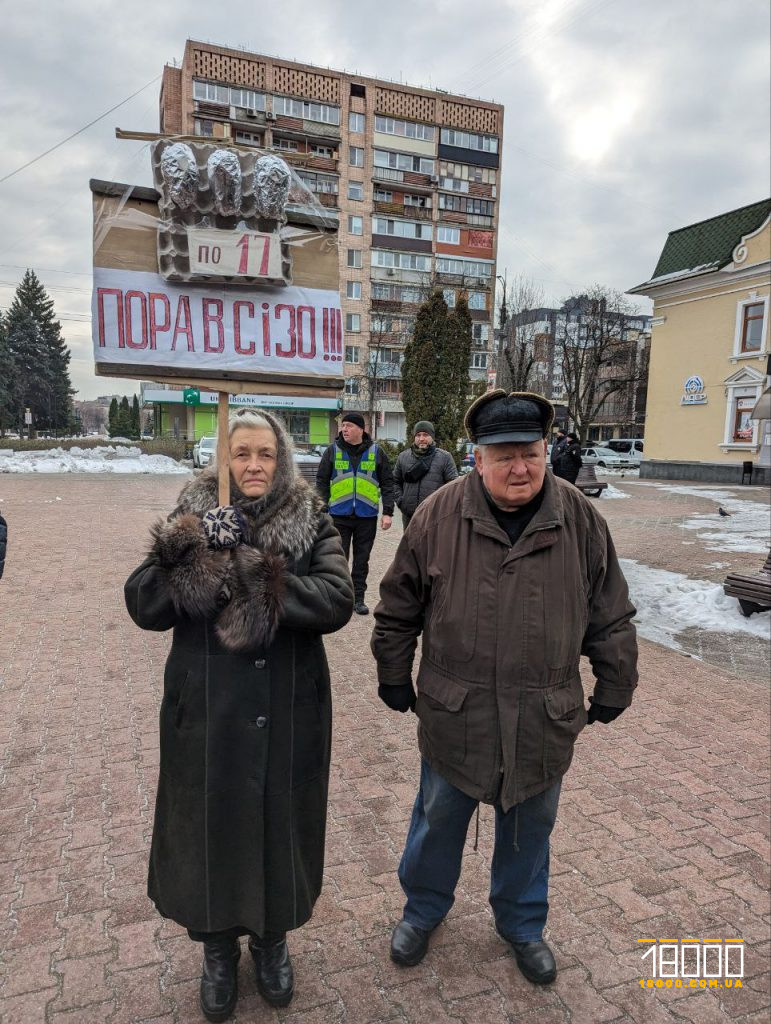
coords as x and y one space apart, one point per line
245 722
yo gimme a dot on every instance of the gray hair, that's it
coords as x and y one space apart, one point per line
250 419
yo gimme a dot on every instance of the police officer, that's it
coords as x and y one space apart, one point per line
353 477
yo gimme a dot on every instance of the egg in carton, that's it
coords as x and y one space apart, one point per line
206 188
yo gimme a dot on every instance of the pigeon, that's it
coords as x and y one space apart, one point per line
722 512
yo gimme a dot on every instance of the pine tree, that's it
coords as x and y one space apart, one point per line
112 418
456 357
51 401
136 426
6 380
27 350
123 419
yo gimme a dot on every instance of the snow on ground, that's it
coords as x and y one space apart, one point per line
747 528
633 474
104 459
669 602
613 492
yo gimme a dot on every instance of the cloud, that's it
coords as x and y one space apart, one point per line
623 120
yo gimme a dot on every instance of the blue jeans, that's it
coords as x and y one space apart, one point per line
519 878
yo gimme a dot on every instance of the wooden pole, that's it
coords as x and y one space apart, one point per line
223 449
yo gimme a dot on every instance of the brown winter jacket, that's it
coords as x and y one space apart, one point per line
500 701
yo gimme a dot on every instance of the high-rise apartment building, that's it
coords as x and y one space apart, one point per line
412 175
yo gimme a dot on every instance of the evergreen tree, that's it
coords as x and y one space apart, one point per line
435 380
122 420
6 380
27 351
136 426
51 398
112 418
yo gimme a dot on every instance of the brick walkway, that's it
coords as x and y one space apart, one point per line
662 830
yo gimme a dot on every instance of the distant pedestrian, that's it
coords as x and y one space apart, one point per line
353 477
3 542
569 459
558 446
421 470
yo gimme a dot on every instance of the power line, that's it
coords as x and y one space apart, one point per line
78 132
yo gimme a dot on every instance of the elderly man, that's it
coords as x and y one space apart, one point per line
510 575
421 470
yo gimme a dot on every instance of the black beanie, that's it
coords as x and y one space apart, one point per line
426 426
353 417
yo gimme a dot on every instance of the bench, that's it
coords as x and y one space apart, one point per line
753 590
587 482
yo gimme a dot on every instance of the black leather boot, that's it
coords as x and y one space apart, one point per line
275 976
219 979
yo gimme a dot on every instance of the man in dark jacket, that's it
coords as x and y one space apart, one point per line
568 463
558 446
353 477
510 575
3 542
421 470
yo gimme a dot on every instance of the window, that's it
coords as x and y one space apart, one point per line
403 260
381 325
355 225
209 92
248 138
408 129
355 122
326 151
480 333
382 196
466 172
351 353
355 190
477 300
478 361
743 427
351 386
468 140
422 202
353 290
752 327
204 128
468 268
355 156
403 162
298 425
401 228
353 322
306 110
326 183
288 145
354 258
449 235
448 294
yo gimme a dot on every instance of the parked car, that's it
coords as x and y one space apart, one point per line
631 446
203 451
606 457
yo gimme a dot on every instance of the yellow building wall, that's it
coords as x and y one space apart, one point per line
697 338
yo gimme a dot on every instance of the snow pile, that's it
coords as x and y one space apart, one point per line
633 474
613 492
104 459
669 602
747 528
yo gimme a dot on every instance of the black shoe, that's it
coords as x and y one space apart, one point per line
219 978
536 961
408 944
360 608
275 976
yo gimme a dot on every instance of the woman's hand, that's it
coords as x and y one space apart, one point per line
224 527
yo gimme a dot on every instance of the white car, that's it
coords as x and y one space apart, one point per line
607 458
203 451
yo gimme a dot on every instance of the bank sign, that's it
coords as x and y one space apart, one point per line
694 392
143 321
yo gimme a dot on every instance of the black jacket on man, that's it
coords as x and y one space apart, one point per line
412 488
383 473
569 461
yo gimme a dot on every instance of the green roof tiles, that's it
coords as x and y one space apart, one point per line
710 243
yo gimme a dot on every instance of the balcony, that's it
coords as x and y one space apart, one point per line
400 210
387 174
384 370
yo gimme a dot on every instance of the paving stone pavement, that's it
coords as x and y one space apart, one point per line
662 830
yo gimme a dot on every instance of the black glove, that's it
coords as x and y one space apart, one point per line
602 713
223 526
398 698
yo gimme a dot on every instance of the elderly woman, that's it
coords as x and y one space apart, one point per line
240 815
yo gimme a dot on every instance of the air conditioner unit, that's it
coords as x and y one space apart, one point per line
270 116
251 113
391 272
434 179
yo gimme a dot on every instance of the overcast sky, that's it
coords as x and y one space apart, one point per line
624 119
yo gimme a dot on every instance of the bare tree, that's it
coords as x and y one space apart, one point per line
599 356
522 366
389 332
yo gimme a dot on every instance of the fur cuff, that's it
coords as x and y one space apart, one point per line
195 574
258 584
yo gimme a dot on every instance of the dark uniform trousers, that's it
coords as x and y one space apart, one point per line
361 530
